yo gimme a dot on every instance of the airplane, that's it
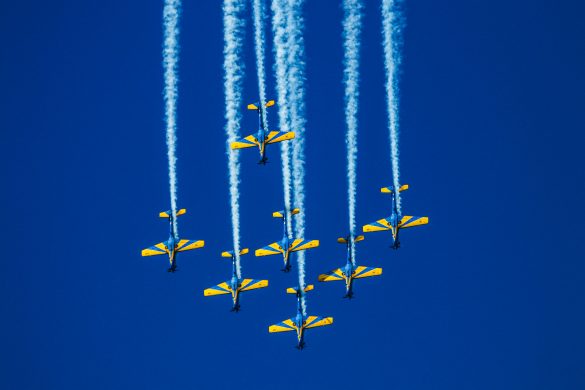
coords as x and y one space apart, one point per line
173 244
235 285
263 137
300 322
287 245
395 222
350 271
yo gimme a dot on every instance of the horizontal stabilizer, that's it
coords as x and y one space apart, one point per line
254 106
390 189
167 214
230 254
343 240
294 290
280 213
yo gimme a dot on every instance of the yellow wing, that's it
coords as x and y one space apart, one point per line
279 136
158 249
272 249
220 289
284 326
378 226
300 244
366 272
336 274
187 245
246 142
410 221
315 321
252 284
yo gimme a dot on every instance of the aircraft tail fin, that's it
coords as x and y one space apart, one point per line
390 189
167 214
230 254
295 290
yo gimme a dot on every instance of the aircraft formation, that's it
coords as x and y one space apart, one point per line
288 244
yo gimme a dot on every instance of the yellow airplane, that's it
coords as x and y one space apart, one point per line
287 245
350 271
173 244
395 222
300 322
263 136
236 284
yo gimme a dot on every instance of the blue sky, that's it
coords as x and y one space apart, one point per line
489 294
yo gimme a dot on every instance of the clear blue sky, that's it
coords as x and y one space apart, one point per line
489 295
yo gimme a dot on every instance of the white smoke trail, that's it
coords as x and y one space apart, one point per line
296 79
171 13
351 45
233 68
281 71
259 46
392 24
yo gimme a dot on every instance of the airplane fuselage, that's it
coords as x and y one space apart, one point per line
395 219
300 321
349 269
285 243
235 285
171 245
261 136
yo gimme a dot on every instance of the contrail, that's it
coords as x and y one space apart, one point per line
233 26
287 25
171 13
281 71
351 45
296 79
259 46
392 24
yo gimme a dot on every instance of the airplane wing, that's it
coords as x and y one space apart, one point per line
378 226
187 245
246 142
299 244
220 289
272 249
279 136
365 272
252 284
158 249
332 276
314 321
284 326
410 221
